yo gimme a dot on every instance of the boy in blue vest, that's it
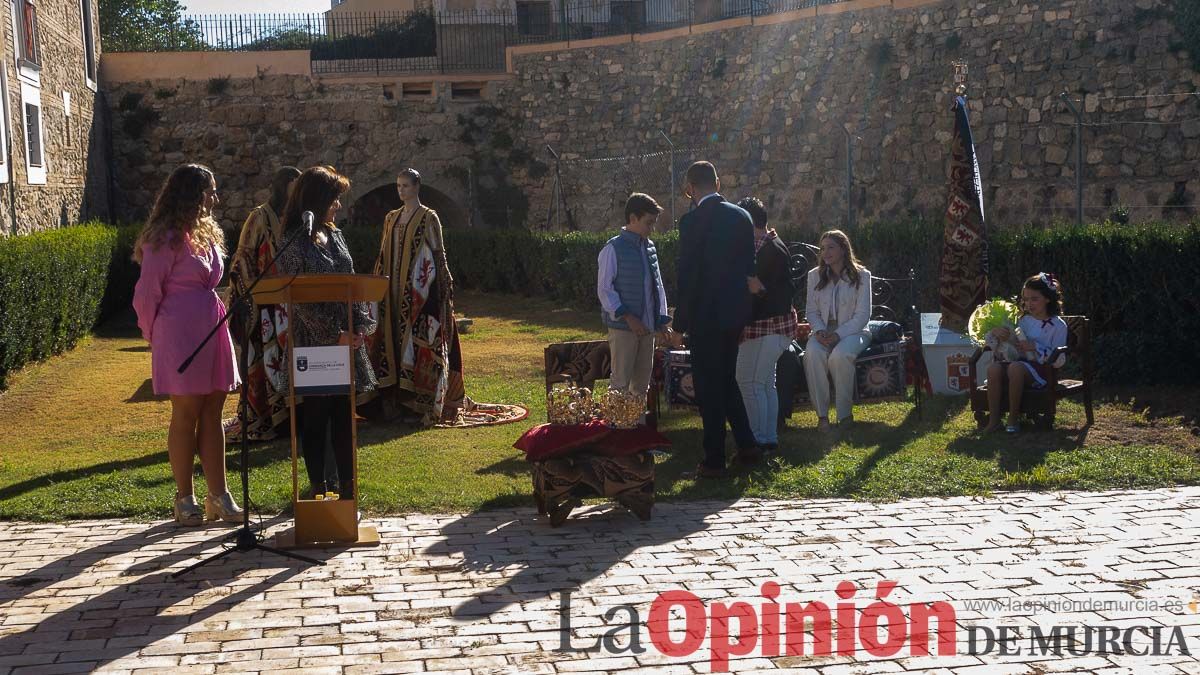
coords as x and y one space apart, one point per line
632 296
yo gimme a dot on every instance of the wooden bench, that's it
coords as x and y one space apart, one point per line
1042 404
561 482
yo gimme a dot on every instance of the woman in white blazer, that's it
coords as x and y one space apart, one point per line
838 309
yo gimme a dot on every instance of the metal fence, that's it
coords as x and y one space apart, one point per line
394 42
452 41
590 193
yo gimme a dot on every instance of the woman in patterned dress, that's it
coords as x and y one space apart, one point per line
319 190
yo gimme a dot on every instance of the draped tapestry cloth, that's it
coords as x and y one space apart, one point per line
963 280
417 355
265 376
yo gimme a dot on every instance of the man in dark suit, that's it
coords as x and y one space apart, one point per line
716 277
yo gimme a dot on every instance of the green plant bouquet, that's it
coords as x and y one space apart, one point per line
996 313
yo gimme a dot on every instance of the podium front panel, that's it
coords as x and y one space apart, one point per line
322 522
322 371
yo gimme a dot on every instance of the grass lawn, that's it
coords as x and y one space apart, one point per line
83 436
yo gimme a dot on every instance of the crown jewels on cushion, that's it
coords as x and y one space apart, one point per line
622 409
568 404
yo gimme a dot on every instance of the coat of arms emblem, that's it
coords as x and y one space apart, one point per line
957 371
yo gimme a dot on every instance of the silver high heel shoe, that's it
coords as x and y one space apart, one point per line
222 507
187 511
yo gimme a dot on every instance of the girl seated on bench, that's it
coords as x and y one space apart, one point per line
1039 332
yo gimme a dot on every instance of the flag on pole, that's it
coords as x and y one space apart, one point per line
964 274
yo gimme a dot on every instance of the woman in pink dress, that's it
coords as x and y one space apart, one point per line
180 251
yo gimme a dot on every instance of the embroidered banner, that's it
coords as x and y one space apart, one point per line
963 279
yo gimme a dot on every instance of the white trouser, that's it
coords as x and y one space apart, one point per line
820 364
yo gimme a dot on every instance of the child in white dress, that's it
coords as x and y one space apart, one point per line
1039 332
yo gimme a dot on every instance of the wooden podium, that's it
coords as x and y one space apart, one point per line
323 523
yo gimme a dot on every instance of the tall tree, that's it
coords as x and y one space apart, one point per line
147 26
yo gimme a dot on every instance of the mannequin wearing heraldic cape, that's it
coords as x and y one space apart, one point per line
265 377
417 354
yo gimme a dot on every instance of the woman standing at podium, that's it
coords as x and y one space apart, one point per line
324 251
181 250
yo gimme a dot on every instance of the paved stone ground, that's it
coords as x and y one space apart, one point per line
481 593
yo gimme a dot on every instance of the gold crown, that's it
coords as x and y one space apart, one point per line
568 404
622 409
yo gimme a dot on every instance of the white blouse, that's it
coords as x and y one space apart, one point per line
1046 336
839 301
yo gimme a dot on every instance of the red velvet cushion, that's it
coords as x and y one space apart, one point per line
621 442
552 440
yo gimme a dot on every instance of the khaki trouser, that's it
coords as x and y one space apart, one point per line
632 360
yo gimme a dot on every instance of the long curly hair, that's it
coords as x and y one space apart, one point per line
315 190
179 214
850 265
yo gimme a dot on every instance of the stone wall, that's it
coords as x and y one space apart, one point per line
246 128
76 181
767 103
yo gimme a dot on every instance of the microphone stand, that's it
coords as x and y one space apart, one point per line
245 539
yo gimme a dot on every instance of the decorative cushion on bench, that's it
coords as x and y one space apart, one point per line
680 390
880 375
885 331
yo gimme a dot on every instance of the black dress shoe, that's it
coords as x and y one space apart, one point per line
706 471
751 455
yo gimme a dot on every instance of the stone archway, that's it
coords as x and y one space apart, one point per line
370 209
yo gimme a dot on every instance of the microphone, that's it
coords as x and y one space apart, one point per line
307 219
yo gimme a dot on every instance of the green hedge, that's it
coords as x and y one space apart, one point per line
51 286
123 272
1133 281
562 267
1124 277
